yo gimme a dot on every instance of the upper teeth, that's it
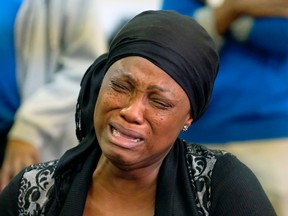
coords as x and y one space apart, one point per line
118 134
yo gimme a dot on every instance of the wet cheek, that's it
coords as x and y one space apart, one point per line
112 100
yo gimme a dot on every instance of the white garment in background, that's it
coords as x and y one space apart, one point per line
56 41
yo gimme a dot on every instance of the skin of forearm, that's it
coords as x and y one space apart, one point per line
224 15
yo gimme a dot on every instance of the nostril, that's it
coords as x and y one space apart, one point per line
132 114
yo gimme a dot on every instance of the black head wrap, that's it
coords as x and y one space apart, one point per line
179 46
175 43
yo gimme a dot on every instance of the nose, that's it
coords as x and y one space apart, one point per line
133 112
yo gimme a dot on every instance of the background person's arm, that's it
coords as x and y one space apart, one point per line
44 116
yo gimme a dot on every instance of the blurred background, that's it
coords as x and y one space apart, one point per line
114 12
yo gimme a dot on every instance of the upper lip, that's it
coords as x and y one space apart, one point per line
126 131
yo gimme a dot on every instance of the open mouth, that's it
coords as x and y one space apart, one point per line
125 136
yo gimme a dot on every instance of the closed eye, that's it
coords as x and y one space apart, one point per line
161 104
120 86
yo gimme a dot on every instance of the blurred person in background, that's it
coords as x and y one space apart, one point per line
45 48
249 107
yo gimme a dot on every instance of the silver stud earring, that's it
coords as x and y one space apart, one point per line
185 128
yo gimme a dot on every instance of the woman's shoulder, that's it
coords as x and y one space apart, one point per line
29 191
199 157
197 150
206 168
200 162
49 166
39 175
35 187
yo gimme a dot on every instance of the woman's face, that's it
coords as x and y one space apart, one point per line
139 113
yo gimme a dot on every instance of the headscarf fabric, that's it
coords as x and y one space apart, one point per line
178 45
181 47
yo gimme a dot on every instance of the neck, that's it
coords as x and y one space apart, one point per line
120 191
125 180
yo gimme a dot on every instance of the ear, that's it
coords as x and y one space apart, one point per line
189 119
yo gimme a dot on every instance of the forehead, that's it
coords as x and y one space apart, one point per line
140 69
144 75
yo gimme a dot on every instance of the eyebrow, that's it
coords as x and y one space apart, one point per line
153 87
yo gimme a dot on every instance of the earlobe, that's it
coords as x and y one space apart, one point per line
185 128
188 123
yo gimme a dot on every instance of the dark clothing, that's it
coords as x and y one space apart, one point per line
193 180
